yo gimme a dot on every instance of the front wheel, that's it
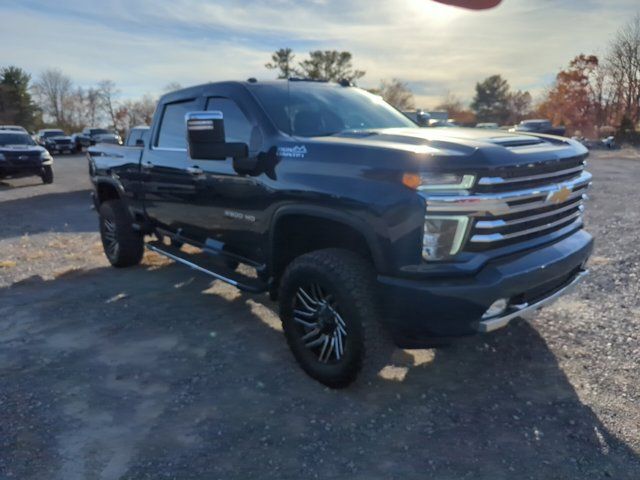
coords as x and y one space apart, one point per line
122 245
328 308
47 174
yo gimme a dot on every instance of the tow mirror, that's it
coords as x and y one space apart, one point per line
206 139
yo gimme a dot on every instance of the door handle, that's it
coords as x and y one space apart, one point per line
195 170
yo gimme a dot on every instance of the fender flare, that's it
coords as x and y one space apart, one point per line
326 213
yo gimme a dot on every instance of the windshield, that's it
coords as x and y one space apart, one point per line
53 133
311 110
99 131
15 139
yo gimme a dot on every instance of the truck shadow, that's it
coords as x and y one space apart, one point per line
154 369
58 212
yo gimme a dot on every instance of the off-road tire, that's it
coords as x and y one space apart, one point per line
350 279
116 225
47 174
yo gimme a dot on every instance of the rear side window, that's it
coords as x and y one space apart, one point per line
172 128
237 127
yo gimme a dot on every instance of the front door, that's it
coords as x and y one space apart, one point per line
229 206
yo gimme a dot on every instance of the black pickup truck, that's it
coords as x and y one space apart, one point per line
363 225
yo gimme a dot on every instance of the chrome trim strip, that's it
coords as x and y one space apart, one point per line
541 176
490 224
497 237
498 203
492 324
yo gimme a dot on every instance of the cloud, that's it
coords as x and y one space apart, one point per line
143 45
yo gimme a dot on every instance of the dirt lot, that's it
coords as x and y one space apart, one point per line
154 372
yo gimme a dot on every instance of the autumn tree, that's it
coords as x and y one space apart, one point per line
282 61
16 105
571 101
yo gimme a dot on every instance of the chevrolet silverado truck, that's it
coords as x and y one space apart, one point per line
364 227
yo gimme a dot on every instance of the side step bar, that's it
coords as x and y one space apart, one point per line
218 272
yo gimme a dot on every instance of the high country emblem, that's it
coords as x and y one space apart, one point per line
559 196
299 151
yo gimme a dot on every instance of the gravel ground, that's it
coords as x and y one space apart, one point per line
154 372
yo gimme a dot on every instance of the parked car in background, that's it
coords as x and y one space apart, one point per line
137 136
538 126
55 141
92 135
488 125
21 156
14 128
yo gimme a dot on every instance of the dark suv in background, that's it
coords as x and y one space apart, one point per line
91 135
538 126
55 141
20 156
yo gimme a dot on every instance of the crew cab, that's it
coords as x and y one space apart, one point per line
20 156
361 224
55 140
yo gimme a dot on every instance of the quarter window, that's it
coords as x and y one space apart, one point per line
172 128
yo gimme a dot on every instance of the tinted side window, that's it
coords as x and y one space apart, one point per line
237 127
172 127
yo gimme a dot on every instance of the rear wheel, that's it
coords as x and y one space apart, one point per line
328 308
47 174
122 245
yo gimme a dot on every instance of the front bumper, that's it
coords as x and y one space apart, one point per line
419 310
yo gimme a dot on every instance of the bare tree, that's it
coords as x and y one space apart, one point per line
53 89
108 92
171 87
92 100
397 93
623 65
136 112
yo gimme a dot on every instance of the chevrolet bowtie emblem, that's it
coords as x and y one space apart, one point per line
558 196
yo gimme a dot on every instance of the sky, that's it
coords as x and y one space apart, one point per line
143 45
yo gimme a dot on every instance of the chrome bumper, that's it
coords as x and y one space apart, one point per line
524 309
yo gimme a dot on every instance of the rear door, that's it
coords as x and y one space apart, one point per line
169 189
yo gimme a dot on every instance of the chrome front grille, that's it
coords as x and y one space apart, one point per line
520 204
531 175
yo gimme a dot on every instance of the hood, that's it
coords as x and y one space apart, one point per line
454 147
21 148
58 137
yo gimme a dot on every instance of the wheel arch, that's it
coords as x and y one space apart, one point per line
310 224
107 190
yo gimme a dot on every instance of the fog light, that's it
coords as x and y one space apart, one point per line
496 308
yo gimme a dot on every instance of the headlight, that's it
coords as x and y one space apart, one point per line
439 182
2 156
45 156
443 236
